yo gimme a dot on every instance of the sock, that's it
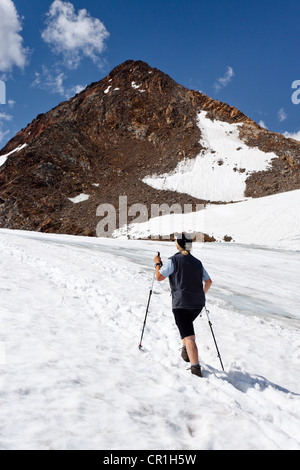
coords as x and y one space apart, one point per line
195 365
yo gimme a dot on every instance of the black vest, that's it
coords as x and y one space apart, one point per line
186 282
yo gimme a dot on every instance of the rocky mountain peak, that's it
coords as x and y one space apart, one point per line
103 141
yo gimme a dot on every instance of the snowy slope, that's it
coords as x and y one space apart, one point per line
272 221
219 172
72 376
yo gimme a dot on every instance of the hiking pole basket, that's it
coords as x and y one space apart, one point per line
212 332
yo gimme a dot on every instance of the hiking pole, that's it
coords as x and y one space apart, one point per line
150 293
212 332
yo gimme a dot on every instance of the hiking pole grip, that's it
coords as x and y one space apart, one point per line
161 263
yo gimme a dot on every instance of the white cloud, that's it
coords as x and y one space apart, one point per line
50 81
4 117
12 51
74 35
2 133
292 135
74 90
53 81
282 116
262 124
11 103
225 80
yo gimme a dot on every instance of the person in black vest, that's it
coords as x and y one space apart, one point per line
186 276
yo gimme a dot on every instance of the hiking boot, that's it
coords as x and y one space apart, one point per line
196 370
184 354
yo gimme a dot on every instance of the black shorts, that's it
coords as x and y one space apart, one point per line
184 319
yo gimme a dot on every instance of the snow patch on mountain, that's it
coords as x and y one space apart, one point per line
134 85
3 158
220 171
80 198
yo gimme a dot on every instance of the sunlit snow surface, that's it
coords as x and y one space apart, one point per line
73 377
80 198
219 172
272 221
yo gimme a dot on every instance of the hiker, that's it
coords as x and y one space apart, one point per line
186 276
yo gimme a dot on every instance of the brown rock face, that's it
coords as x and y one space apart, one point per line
103 141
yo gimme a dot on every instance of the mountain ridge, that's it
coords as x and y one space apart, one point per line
103 141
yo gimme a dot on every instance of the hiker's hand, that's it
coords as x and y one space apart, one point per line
157 259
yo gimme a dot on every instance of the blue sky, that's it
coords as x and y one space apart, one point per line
245 53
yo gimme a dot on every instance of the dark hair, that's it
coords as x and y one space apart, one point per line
185 242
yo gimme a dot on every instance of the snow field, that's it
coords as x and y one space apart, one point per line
271 221
72 311
80 198
219 172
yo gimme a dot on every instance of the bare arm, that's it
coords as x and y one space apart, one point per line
207 285
159 277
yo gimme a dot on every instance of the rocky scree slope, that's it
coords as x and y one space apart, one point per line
103 141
